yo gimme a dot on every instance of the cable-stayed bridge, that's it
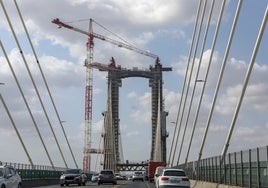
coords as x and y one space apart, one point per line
197 72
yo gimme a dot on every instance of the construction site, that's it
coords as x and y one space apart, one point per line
112 146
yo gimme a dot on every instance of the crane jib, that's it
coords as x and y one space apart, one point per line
61 24
104 38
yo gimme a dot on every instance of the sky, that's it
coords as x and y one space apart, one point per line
164 28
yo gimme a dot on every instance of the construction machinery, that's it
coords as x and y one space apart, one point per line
89 78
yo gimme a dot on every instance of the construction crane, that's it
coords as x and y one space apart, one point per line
89 77
92 35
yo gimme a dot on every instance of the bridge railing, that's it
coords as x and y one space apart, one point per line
245 168
29 172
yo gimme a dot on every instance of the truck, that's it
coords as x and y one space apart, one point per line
152 165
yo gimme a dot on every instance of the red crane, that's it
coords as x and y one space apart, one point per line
89 76
92 35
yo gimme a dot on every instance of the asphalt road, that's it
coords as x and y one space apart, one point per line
120 184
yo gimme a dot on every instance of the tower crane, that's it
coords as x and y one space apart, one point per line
89 77
92 35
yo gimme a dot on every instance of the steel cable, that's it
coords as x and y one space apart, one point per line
247 77
203 88
24 60
191 71
221 71
48 90
170 163
13 123
197 74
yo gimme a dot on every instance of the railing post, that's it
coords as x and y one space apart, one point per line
258 169
230 169
224 168
205 170
266 159
216 165
202 170
204 167
208 170
235 168
195 170
249 158
213 169
220 175
242 169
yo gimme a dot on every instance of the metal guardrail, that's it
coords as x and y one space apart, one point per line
245 168
29 172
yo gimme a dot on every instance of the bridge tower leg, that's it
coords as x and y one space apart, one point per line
111 124
156 84
115 84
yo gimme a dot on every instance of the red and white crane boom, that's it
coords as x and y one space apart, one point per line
104 38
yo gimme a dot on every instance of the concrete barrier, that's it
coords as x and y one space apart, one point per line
204 184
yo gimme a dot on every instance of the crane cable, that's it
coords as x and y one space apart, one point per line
170 163
24 60
106 29
48 90
125 41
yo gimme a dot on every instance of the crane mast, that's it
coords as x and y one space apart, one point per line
89 80
88 102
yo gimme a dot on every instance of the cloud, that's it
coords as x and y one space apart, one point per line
145 100
132 95
171 100
132 134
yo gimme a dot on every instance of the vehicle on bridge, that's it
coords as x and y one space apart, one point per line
171 177
9 177
107 176
119 176
94 178
138 176
158 172
152 165
73 176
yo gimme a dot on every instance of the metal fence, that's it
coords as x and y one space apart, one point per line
29 172
245 168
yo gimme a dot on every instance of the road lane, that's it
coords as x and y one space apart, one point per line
120 184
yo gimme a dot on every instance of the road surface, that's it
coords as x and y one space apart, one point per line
120 184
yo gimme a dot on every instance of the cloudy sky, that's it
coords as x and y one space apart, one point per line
162 27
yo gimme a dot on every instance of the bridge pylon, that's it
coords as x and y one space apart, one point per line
113 154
